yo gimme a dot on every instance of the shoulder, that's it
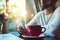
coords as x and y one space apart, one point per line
57 9
57 12
39 13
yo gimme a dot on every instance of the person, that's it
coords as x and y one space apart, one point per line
48 18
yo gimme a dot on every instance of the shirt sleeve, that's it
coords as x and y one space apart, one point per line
34 21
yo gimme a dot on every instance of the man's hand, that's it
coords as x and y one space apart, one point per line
21 31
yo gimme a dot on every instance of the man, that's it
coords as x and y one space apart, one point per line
48 18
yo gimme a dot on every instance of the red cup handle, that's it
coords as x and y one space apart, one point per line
44 29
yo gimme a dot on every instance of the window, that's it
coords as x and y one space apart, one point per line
37 4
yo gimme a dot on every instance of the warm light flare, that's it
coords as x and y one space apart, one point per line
19 7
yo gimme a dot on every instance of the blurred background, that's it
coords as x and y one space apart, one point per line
17 12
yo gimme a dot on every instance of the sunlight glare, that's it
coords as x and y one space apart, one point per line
20 7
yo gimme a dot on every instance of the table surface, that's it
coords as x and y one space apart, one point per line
13 37
9 37
51 38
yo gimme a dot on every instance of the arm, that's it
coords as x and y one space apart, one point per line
34 21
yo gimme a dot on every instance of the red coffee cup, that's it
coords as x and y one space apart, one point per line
35 30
